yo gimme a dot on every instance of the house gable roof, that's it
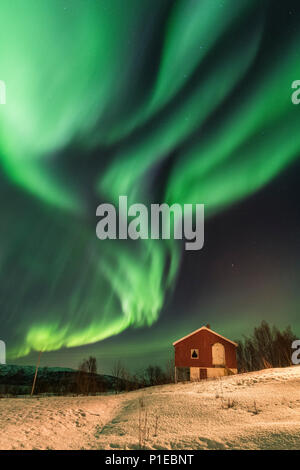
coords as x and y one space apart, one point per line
208 329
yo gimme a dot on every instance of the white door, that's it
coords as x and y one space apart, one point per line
194 374
2 353
218 354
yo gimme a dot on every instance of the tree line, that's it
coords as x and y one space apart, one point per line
121 378
266 347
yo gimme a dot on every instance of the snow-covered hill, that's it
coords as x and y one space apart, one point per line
259 410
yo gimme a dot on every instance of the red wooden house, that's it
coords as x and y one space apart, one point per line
205 354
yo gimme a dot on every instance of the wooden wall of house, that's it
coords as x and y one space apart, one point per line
203 341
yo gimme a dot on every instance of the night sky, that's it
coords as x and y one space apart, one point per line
163 101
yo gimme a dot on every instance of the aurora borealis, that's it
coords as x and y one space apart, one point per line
177 101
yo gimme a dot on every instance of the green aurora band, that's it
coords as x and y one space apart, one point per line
100 95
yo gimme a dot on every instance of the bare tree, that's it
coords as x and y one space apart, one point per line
118 371
86 376
155 375
266 347
170 370
92 365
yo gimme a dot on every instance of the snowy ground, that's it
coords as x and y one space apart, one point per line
259 410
